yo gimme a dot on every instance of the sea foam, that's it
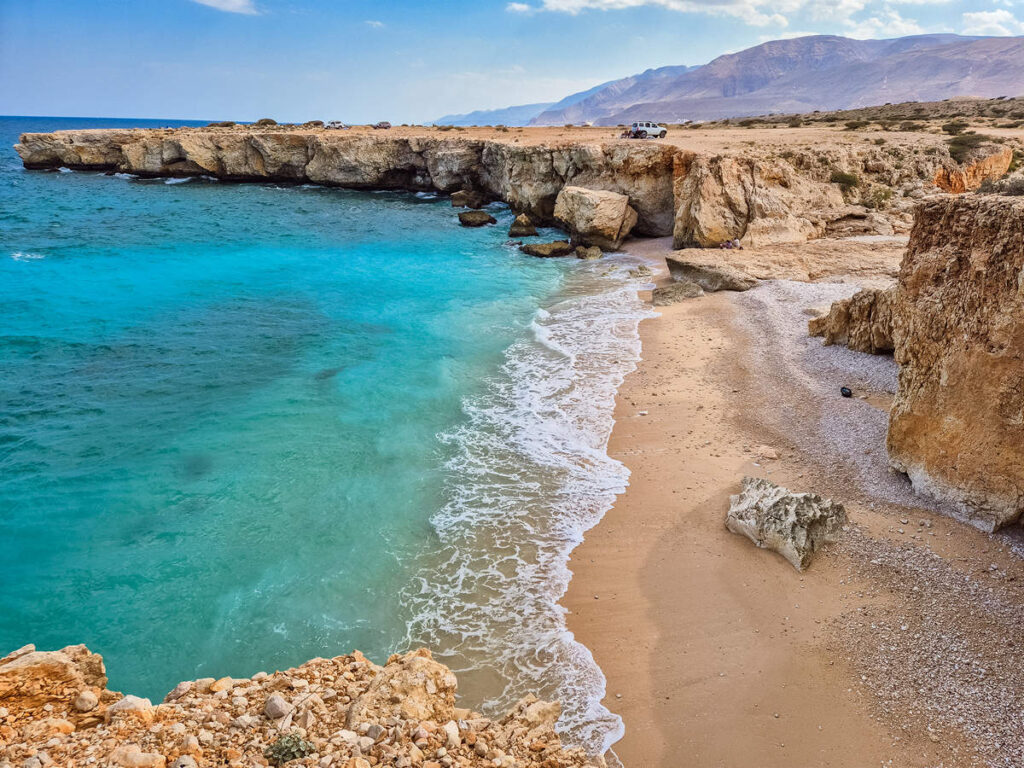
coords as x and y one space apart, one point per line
528 475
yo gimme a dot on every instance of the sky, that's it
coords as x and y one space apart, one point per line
399 60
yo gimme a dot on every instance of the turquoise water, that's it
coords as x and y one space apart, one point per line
246 425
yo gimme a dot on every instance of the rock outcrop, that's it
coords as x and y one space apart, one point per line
522 227
702 200
595 217
863 322
709 275
476 218
548 250
795 525
957 423
344 712
974 173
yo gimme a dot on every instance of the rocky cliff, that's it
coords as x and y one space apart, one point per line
345 712
957 424
700 199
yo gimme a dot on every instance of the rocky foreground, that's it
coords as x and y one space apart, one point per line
345 712
758 195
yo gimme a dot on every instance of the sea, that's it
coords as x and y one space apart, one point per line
244 425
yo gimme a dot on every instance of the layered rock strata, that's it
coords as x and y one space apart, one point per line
701 200
344 712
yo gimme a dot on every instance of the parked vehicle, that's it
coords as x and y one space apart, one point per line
645 130
383 125
336 125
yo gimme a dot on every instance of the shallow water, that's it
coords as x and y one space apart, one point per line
245 425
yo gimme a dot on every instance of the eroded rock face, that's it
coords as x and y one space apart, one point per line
595 217
795 525
974 173
702 200
957 424
351 712
864 322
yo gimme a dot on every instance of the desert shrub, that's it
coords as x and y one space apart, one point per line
879 142
844 179
288 748
794 122
1017 161
222 124
961 145
853 125
567 125
501 128
909 125
265 121
955 128
878 197
444 127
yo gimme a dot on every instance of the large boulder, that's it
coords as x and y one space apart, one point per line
708 275
957 424
863 322
675 292
795 525
595 217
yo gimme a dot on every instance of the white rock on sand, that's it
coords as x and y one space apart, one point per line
793 524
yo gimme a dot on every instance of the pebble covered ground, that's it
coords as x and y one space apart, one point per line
344 712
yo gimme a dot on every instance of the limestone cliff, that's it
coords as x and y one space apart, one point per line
344 712
760 198
957 424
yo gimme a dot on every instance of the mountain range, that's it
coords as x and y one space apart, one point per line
800 74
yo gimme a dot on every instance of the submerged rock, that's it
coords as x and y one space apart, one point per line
710 277
476 219
676 292
793 524
547 250
522 227
595 217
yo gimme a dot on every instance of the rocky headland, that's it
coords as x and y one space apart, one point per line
761 195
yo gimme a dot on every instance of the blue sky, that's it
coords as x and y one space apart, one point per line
399 60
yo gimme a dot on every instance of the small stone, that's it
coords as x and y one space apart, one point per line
276 707
180 690
185 761
86 701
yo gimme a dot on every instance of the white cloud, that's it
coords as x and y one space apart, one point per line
882 20
374 23
999 22
883 24
231 6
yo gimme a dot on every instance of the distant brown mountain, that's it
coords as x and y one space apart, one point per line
804 74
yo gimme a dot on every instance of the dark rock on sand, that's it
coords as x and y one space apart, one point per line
676 292
711 277
593 252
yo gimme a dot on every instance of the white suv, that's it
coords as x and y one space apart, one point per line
642 130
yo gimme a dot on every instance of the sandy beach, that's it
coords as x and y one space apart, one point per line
721 654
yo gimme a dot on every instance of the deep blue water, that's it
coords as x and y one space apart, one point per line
245 425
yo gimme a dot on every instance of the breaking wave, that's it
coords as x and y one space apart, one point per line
527 475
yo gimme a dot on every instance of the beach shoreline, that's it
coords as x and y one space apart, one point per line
711 647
